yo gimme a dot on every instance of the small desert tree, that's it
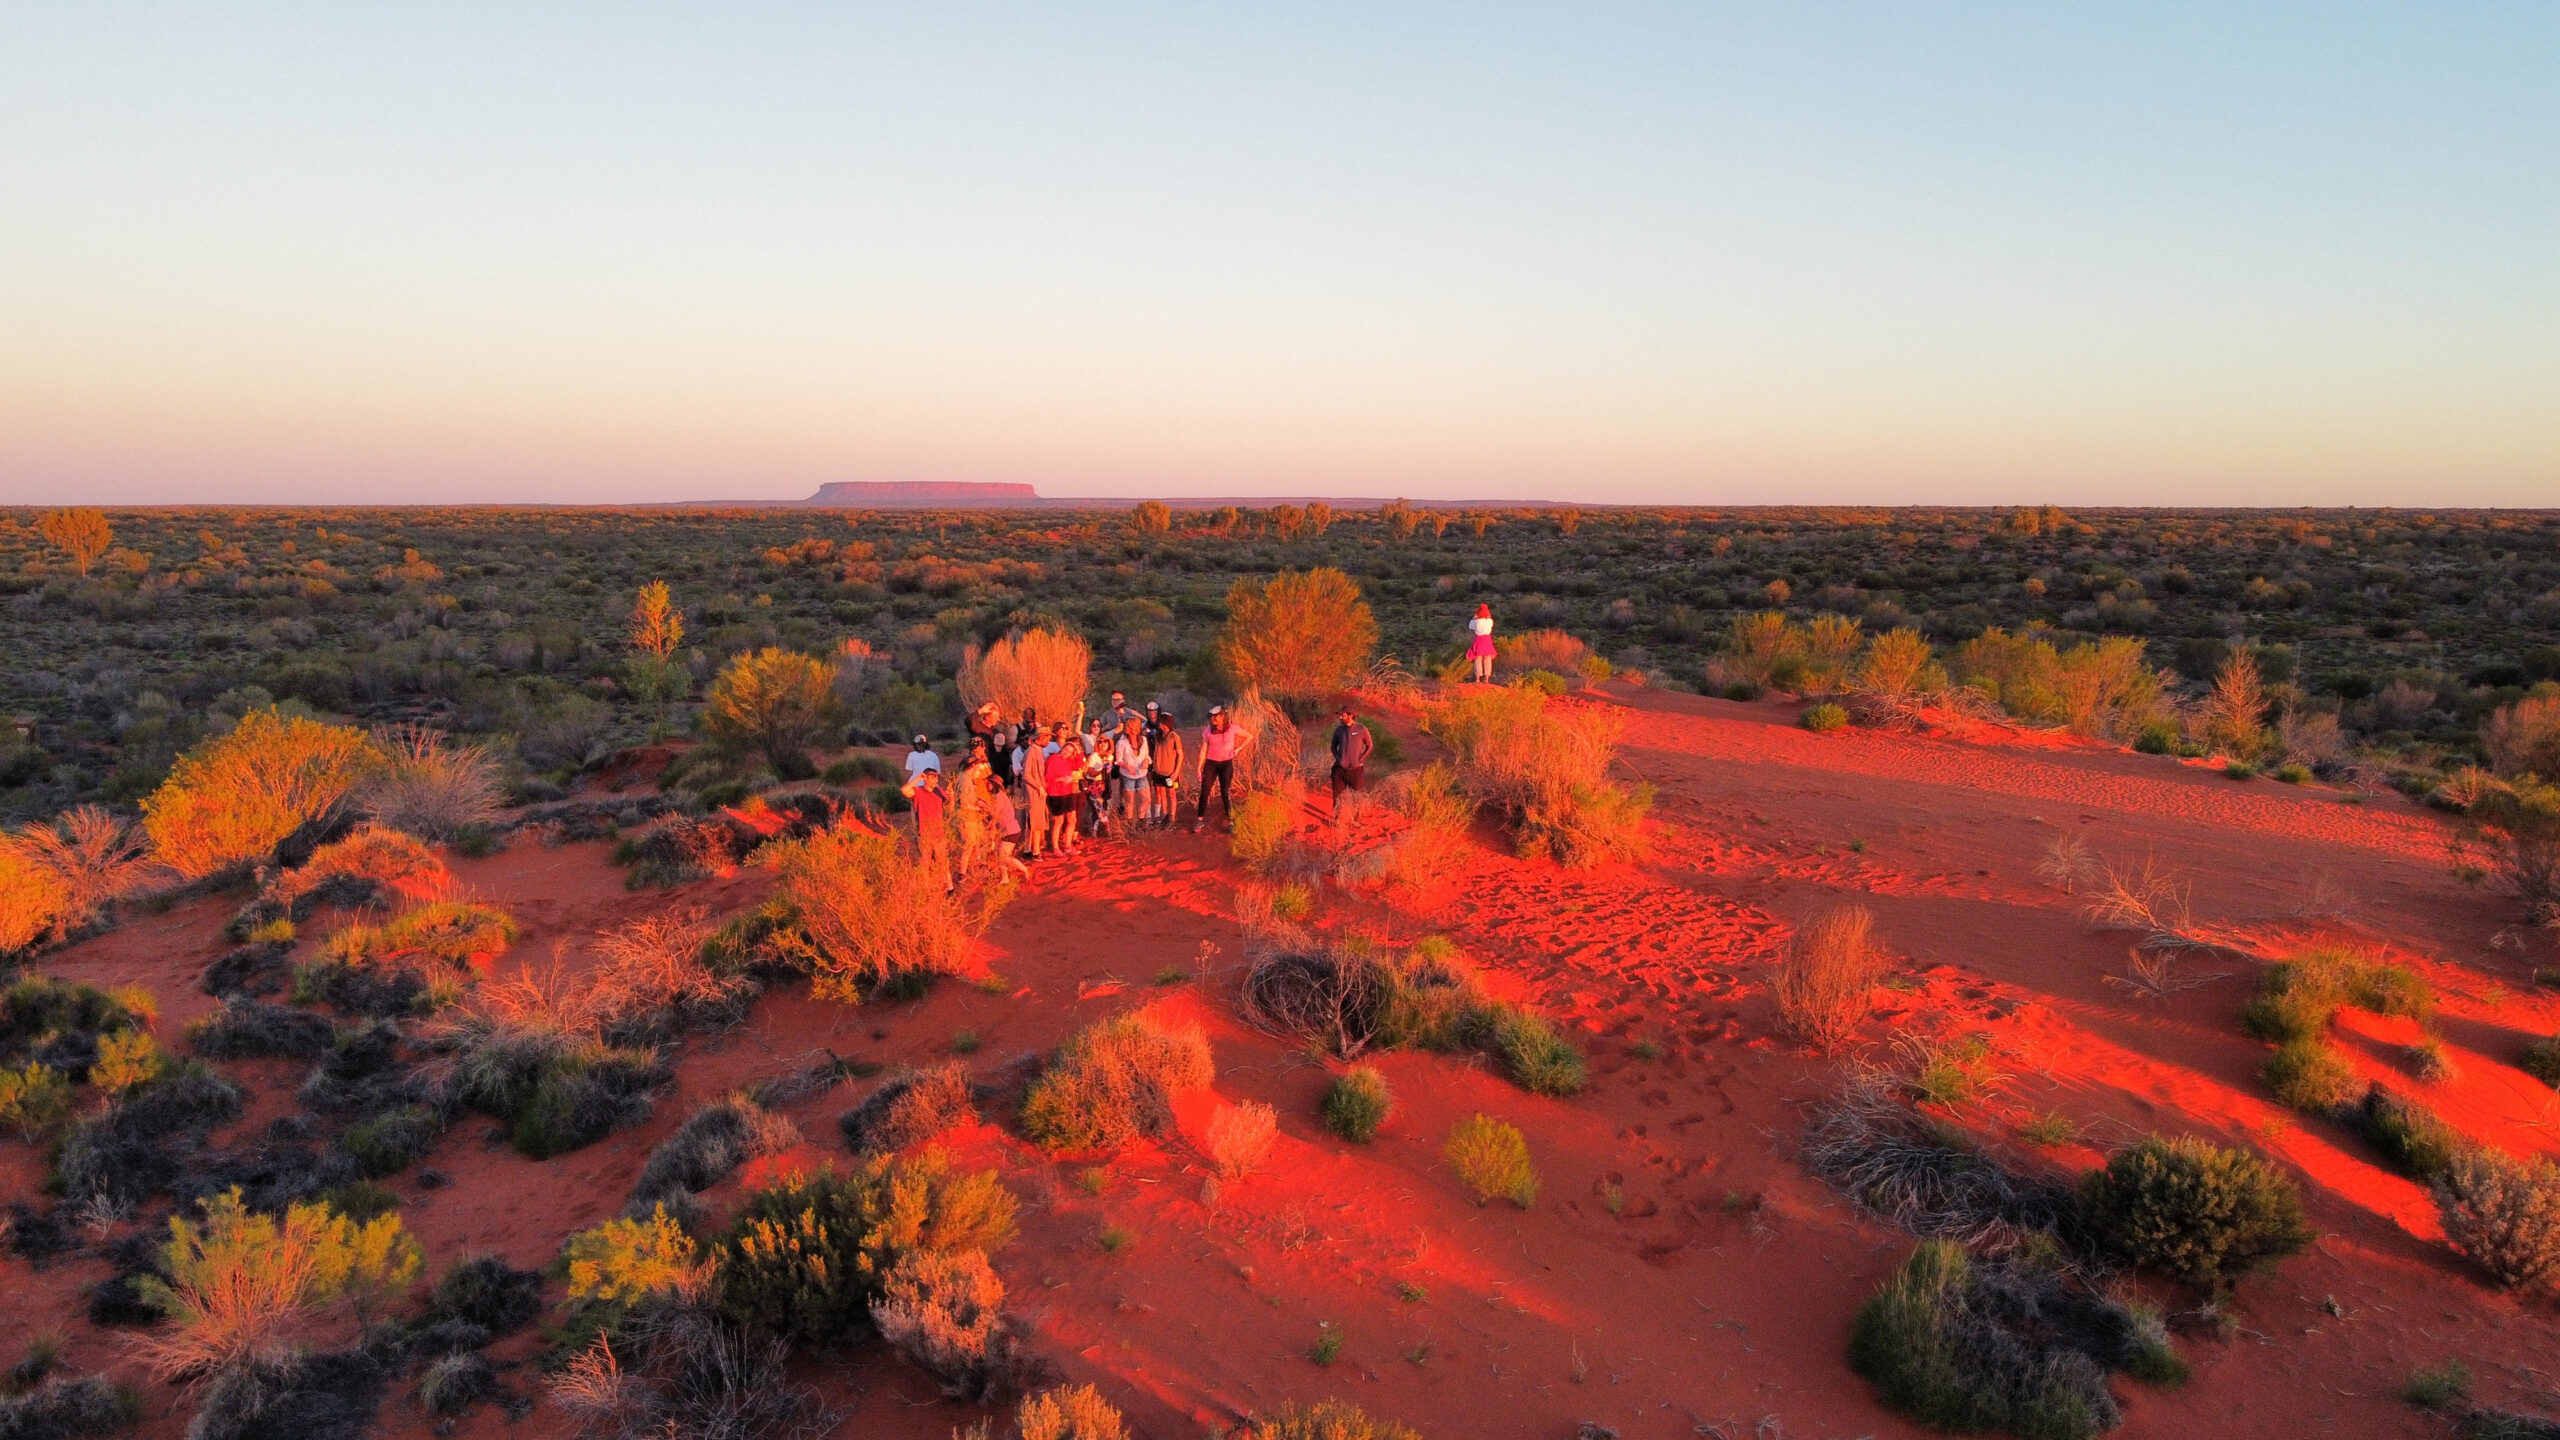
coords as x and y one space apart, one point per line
657 628
1300 636
1154 517
1041 670
82 533
231 799
2514 826
775 703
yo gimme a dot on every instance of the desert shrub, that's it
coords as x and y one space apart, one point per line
943 1310
2524 738
430 787
2006 1346
127 1060
1273 753
1533 1052
2312 1076
34 1100
2438 1388
713 1141
2409 1135
677 1368
232 799
393 1141
861 909
774 703
2541 1060
243 1029
2504 1213
1432 1000
487 1293
2192 1209
61 1022
1239 1138
1263 822
1326 1420
327 1396
1896 676
2392 989
1491 1158
1040 670
1553 651
2507 1425
1069 1412
370 865
1823 718
2512 830
1300 636
238 1283
119 1158
1357 1103
1114 1081
69 1410
908 1110
557 1090
444 933
456 1381
1927 1177
59 877
1546 767
806 1256
622 1263
1826 974
1333 993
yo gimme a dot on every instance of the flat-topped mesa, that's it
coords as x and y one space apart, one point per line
920 494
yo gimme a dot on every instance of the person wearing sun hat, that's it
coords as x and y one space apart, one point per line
1480 649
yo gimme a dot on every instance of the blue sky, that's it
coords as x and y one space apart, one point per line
1708 254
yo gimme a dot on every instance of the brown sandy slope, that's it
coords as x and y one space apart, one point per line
1716 1294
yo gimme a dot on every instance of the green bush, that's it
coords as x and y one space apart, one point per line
1492 1158
2408 1134
1536 1057
1262 825
1114 1081
1823 718
2293 774
2192 1210
390 1143
1964 1348
806 1256
2504 1213
2541 1060
34 1100
2312 1076
1357 1103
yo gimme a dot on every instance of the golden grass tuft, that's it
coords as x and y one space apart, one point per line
241 1285
1040 670
1239 1138
1827 975
1546 765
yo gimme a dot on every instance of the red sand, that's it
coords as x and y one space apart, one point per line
1716 1292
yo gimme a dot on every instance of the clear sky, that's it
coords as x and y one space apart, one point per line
2144 253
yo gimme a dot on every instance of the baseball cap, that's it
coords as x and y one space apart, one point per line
1217 709
922 741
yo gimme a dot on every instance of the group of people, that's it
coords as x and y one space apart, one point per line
1030 788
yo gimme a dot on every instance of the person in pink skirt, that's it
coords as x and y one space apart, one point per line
1480 649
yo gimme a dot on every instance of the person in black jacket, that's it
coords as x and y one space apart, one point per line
1351 747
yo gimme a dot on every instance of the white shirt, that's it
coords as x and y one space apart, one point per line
1482 624
919 761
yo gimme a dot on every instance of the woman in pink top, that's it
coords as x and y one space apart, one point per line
1480 649
1219 746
